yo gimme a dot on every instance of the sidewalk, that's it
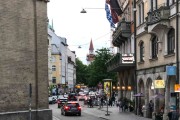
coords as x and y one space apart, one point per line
114 113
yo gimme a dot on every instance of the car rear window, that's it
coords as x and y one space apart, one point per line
73 104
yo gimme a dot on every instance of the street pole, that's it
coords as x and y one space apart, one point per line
30 95
107 114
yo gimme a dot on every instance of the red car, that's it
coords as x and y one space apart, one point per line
71 107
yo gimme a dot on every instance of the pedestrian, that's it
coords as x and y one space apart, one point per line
151 108
102 101
119 104
110 102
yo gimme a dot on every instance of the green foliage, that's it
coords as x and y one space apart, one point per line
97 70
81 72
94 73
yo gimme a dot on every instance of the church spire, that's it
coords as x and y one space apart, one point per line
91 47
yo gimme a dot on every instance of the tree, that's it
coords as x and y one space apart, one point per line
81 72
97 70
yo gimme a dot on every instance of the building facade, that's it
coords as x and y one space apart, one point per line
157 49
24 71
65 74
123 62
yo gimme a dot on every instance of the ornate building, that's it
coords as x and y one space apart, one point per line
91 55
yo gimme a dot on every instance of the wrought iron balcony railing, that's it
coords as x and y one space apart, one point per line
121 33
161 13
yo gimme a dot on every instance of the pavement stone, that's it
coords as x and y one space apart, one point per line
114 112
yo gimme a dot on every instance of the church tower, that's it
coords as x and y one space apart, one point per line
91 55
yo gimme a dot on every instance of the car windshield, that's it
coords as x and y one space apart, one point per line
72 104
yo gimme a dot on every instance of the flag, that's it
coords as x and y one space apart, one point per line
108 15
114 16
115 6
115 10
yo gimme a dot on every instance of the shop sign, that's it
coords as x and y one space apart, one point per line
177 88
171 70
159 84
127 58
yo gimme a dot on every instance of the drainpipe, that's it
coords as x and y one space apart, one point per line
36 58
177 51
135 76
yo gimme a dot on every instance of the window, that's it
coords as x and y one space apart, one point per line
53 68
141 51
139 14
171 2
154 47
153 5
171 41
53 79
142 12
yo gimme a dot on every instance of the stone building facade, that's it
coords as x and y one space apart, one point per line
24 60
157 49
123 61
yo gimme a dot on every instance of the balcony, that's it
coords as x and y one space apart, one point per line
120 62
122 32
162 13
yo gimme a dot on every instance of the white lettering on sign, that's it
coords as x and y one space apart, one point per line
127 58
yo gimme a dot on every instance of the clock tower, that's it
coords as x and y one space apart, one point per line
91 55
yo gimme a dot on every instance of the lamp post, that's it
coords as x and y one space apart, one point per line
84 9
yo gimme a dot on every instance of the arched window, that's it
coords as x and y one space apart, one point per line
171 41
53 68
141 51
154 47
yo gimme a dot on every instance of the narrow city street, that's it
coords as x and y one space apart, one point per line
96 114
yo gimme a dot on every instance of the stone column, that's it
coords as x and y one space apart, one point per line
167 99
146 102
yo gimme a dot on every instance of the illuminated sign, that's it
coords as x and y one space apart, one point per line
171 70
127 58
159 84
177 88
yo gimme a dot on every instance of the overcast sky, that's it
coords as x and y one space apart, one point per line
80 28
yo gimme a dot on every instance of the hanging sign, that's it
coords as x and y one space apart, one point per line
159 84
177 88
171 70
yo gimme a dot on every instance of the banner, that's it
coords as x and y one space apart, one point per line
107 88
159 84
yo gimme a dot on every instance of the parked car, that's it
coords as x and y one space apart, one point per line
52 100
71 107
61 100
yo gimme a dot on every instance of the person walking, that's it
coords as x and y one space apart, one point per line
102 101
151 108
120 105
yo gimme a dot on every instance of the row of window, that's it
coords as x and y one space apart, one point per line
154 45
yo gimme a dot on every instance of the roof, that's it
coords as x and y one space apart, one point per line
91 46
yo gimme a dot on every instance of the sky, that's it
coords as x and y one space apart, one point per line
79 28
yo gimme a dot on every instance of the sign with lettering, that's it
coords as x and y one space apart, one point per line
177 88
171 70
159 84
127 58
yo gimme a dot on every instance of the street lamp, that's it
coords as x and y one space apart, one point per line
84 11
